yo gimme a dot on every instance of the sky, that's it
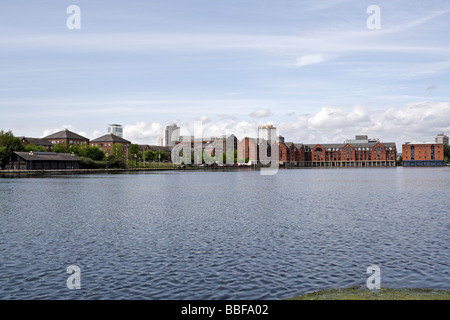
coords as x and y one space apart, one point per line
314 69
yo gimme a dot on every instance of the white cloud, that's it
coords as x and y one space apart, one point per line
413 121
142 132
262 113
97 134
309 59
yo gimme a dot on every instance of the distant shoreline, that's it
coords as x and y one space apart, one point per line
88 171
9 173
357 293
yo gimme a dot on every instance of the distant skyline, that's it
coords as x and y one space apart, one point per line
313 69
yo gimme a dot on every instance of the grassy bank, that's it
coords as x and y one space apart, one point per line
357 293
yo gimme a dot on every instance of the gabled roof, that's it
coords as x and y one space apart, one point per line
65 134
354 145
289 144
45 156
36 141
110 138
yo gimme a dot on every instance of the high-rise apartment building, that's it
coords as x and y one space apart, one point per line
442 138
267 132
159 141
171 134
115 129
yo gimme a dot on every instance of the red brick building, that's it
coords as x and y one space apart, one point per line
47 145
361 154
106 142
423 154
248 150
66 137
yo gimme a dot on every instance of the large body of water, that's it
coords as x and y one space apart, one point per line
223 235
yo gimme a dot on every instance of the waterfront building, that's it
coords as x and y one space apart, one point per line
47 145
423 154
105 143
248 151
40 161
66 137
171 134
442 138
115 129
354 154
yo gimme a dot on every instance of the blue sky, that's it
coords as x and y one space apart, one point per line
312 68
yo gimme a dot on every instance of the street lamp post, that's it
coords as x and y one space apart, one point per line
135 161
143 157
73 155
31 159
159 159
107 160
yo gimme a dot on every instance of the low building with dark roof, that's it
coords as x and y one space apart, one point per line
106 142
40 161
66 137
165 149
47 145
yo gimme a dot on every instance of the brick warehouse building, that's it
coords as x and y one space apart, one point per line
365 154
105 143
423 154
66 137
47 145
355 153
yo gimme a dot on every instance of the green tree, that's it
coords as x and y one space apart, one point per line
158 153
133 150
34 148
117 151
149 155
93 153
447 153
9 143
61 148
76 149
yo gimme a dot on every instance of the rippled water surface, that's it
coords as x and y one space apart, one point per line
223 235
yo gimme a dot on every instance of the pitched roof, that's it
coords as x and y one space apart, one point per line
46 156
354 145
160 148
110 138
37 141
65 134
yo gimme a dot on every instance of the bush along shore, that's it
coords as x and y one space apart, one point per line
358 293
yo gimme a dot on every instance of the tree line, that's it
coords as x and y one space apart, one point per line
92 157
